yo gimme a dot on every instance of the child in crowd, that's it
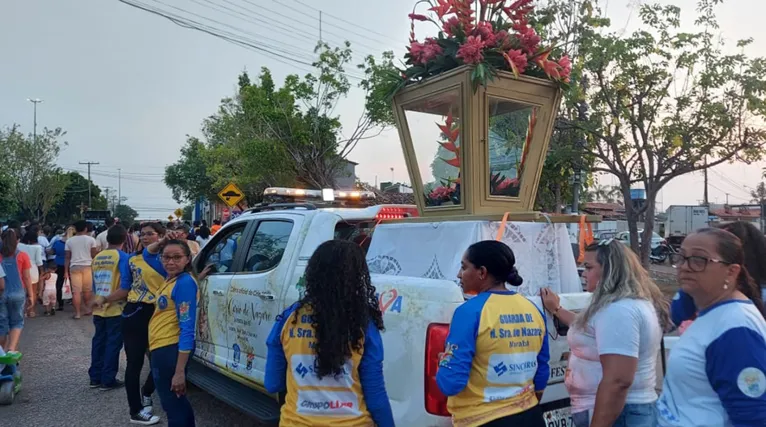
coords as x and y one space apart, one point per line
49 291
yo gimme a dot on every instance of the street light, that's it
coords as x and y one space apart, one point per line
35 101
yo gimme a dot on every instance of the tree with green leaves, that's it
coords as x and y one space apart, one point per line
37 184
758 194
70 207
267 135
125 213
666 102
8 204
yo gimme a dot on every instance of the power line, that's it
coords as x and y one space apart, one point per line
232 38
314 17
251 19
346 22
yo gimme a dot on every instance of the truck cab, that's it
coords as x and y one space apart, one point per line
259 261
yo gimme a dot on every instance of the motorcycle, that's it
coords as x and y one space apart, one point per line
661 253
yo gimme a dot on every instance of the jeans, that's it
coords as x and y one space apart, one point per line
177 408
105 350
11 312
135 333
60 278
632 415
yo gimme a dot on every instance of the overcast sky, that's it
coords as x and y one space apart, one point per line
129 86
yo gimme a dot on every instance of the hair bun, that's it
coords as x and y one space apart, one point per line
514 279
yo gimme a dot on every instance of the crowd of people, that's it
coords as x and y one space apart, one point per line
714 376
142 293
136 283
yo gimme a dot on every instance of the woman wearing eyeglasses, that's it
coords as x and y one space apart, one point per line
716 373
614 343
754 245
171 332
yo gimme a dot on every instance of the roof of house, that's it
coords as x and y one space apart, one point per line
736 212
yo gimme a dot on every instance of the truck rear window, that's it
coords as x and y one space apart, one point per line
359 232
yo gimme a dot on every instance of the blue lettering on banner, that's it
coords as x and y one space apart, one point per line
390 301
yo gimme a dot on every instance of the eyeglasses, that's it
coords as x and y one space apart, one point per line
176 258
696 263
147 234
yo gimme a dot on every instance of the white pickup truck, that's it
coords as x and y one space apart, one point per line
260 258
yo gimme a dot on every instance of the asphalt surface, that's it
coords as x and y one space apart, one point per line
55 390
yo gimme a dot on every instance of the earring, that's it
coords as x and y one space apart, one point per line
726 284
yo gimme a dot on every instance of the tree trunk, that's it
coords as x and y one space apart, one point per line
557 198
632 217
651 196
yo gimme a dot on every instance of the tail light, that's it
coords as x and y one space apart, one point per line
396 212
436 339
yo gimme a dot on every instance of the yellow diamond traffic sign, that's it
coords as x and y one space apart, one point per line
170 217
179 212
231 195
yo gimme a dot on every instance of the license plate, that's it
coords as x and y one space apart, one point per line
561 417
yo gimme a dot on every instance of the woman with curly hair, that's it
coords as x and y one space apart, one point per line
327 348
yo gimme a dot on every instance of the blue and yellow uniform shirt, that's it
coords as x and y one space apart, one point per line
111 271
175 314
357 397
495 359
148 277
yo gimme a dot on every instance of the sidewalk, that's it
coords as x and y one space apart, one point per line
55 390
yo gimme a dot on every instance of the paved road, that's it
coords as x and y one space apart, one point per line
55 391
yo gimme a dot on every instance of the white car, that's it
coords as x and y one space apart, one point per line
624 237
260 258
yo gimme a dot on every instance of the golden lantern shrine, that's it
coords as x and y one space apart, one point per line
476 107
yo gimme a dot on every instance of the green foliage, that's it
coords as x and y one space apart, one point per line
69 207
188 178
125 213
36 182
188 213
280 136
8 205
665 103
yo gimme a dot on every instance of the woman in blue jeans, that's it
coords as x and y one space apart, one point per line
615 341
16 291
171 333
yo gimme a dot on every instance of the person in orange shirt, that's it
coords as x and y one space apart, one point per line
216 226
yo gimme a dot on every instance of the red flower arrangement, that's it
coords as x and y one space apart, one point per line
497 36
449 191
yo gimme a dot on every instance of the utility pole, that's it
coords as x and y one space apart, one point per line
727 199
34 123
90 201
320 26
107 190
763 208
705 196
119 186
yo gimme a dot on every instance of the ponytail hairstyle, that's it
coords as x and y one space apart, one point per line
10 242
731 251
754 246
498 259
187 252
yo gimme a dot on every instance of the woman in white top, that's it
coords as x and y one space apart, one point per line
203 236
30 246
716 373
615 342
